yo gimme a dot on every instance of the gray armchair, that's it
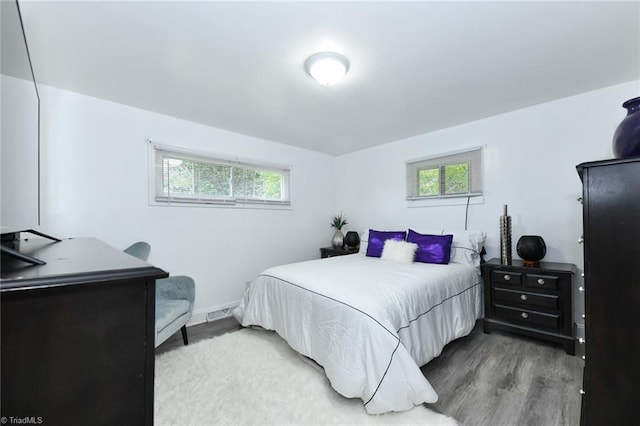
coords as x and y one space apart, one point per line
175 297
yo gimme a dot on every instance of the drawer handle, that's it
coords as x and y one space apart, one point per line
580 200
582 392
540 281
507 277
584 358
581 340
581 289
580 240
523 297
524 314
583 316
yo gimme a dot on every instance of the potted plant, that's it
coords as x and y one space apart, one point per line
338 222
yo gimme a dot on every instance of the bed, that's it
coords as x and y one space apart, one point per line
368 322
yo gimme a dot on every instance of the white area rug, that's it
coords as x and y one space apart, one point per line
252 377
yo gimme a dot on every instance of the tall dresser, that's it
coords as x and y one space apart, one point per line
77 335
611 220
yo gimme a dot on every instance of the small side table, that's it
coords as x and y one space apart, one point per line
533 301
331 252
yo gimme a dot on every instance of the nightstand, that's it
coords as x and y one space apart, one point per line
533 301
331 252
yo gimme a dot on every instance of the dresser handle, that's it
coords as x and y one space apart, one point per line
524 315
584 358
581 340
582 274
583 316
582 392
579 199
540 281
507 277
580 240
581 289
523 297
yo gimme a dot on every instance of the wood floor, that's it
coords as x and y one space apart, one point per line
483 379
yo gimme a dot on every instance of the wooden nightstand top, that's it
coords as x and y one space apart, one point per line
331 252
543 266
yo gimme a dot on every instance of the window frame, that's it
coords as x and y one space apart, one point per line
472 156
157 196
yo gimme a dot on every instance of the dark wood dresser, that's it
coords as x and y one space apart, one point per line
77 335
533 301
611 221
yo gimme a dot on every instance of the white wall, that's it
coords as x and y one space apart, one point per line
529 164
94 183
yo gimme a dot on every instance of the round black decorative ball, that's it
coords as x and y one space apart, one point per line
352 240
531 248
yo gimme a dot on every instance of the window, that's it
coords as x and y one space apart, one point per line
184 177
451 175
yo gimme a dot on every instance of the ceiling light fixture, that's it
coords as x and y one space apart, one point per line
327 67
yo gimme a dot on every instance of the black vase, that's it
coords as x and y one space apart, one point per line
352 240
531 248
626 139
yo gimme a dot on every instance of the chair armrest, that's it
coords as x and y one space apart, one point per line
178 287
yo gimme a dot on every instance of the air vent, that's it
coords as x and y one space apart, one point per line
216 315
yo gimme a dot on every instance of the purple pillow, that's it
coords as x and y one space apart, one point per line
431 248
377 239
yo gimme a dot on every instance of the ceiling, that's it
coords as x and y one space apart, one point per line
415 67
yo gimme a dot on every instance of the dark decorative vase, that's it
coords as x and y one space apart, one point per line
352 240
626 139
531 248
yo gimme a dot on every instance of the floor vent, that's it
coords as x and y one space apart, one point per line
216 315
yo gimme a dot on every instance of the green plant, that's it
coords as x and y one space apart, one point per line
339 221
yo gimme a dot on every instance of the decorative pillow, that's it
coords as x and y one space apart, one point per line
466 246
398 251
377 238
431 248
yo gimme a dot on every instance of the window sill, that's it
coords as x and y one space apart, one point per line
248 206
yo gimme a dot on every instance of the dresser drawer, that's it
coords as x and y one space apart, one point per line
549 282
507 278
525 299
527 316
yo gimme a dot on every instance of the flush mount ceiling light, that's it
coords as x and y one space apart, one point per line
327 67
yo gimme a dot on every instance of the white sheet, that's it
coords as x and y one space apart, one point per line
370 323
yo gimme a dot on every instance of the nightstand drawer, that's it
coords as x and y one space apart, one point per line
527 316
549 282
507 278
525 299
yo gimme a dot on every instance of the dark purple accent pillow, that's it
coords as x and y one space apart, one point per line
377 239
431 248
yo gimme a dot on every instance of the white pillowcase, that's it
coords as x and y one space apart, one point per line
466 246
398 251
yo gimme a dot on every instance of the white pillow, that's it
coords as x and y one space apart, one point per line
466 246
398 251
364 242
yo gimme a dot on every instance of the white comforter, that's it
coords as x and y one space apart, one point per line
370 323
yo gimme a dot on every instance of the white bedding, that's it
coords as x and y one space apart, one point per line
370 323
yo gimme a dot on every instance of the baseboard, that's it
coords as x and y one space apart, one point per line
203 315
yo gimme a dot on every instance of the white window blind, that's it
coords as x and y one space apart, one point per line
456 174
190 178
